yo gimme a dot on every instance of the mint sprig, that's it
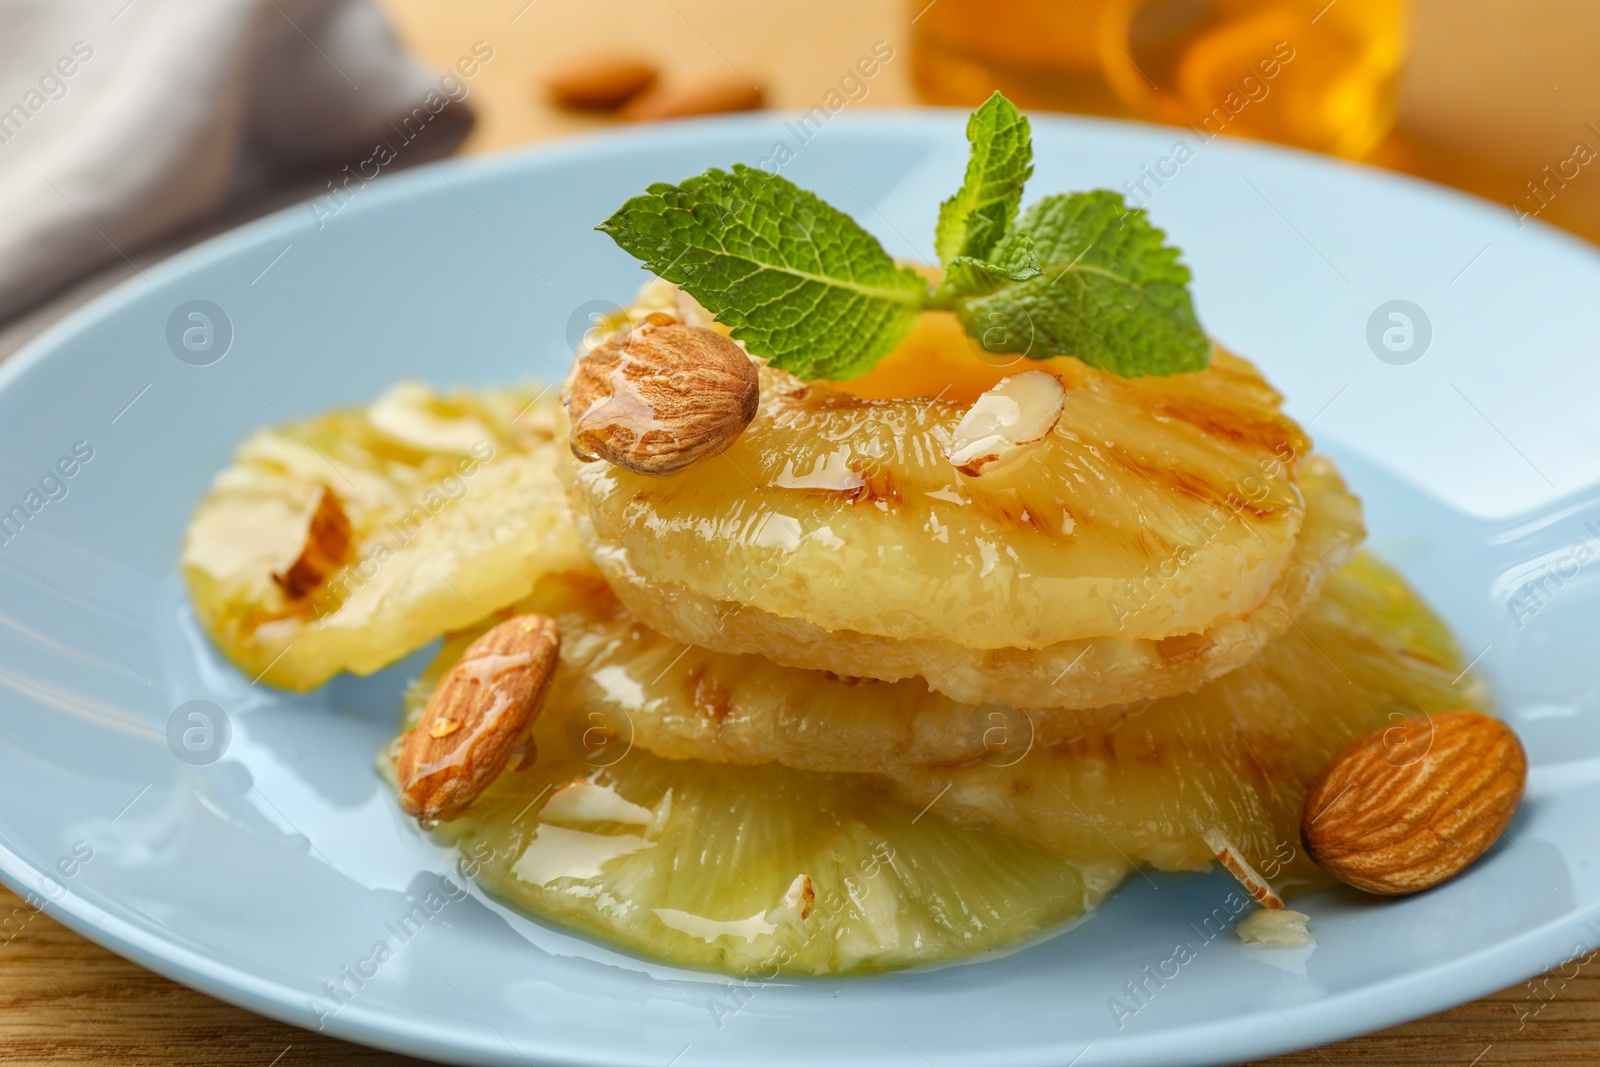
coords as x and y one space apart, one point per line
802 284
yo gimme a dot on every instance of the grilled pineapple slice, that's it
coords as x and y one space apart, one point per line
1235 757
753 871
343 542
855 520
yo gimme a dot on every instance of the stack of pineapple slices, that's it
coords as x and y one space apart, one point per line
825 704
1158 534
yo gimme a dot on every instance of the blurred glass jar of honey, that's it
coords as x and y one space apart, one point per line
1311 73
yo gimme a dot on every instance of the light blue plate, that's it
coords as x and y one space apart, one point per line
265 874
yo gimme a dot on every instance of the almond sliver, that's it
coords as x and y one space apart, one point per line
1229 856
583 801
997 430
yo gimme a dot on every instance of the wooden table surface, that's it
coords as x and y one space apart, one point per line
1483 74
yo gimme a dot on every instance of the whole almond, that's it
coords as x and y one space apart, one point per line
478 717
659 398
1405 808
599 83
711 97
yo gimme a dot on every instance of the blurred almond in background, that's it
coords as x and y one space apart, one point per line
712 96
601 82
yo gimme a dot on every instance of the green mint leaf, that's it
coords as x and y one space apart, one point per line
972 221
795 279
1020 258
1110 292
966 276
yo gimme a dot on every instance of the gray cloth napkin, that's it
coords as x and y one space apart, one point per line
123 122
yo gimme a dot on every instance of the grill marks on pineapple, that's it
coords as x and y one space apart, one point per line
1234 405
1051 521
1055 515
1266 435
1235 415
1225 481
1211 493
